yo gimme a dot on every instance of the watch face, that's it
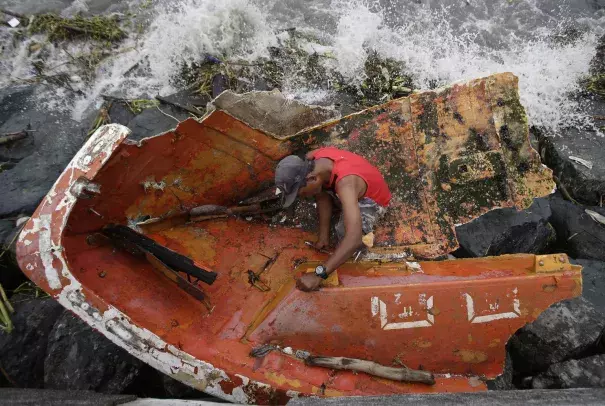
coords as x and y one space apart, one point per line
319 270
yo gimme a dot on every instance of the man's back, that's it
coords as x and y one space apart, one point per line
347 163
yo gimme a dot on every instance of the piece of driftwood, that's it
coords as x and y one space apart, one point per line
17 15
172 259
191 110
181 282
372 368
12 137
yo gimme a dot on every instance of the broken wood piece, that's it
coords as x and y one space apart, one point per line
191 110
172 259
12 137
368 240
181 282
372 368
214 210
208 217
595 216
17 15
581 161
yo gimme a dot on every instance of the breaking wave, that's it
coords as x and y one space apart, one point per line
548 47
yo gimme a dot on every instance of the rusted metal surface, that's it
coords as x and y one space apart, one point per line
448 156
419 313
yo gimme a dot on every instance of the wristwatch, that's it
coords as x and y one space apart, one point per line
321 272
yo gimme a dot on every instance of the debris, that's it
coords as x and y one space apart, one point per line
191 110
127 237
100 28
263 350
12 137
255 281
16 15
312 245
596 216
581 161
368 240
13 22
372 368
6 309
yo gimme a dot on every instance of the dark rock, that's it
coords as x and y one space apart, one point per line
6 227
10 274
584 184
505 380
189 99
39 158
49 397
508 231
178 390
577 232
80 358
593 282
119 113
220 83
587 372
566 330
22 351
152 121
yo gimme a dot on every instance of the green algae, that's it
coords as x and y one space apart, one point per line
99 28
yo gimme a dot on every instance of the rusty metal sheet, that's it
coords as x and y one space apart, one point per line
448 317
448 156
222 160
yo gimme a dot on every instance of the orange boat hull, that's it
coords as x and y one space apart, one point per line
452 318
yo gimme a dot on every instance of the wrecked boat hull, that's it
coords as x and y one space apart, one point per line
452 318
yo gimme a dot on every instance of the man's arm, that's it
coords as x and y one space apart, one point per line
348 194
348 190
324 209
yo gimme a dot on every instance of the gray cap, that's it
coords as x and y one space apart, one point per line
290 175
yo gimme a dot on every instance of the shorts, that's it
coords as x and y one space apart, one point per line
371 213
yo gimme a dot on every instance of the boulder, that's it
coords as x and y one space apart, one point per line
593 282
178 390
568 329
10 274
505 380
80 358
23 350
577 158
576 155
38 159
587 372
152 121
579 234
508 231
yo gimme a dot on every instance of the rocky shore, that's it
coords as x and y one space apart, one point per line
50 348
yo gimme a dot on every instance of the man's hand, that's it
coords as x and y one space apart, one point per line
322 243
308 282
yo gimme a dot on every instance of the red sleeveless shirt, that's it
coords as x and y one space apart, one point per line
348 163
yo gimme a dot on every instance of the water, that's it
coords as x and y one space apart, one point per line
547 44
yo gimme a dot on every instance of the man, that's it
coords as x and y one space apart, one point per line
335 176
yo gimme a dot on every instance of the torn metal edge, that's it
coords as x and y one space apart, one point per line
112 323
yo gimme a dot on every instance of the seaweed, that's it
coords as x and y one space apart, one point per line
99 28
383 78
595 84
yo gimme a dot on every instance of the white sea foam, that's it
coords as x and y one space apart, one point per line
439 45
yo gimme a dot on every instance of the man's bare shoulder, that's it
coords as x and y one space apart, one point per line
352 183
